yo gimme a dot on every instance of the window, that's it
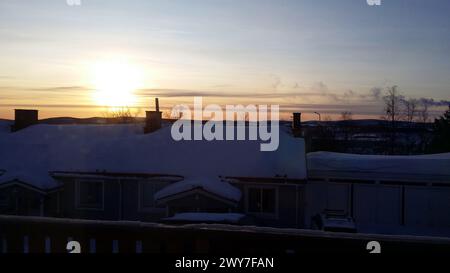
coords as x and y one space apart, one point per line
3 199
90 194
147 191
262 200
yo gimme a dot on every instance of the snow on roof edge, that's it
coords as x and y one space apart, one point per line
425 165
210 184
206 217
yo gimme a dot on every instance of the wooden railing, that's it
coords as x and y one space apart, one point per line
51 235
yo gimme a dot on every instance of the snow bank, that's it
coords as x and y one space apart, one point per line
207 217
28 155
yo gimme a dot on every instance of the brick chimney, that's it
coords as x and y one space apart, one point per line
153 119
297 124
24 118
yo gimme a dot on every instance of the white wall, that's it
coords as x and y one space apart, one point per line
378 208
377 204
427 208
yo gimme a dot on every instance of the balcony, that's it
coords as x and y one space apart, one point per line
50 235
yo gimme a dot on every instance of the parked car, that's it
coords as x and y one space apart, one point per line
334 222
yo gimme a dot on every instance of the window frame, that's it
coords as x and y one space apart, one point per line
261 214
145 209
78 205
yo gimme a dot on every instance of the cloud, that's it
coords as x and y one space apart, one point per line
318 90
376 92
171 93
62 88
46 89
51 105
320 87
311 95
432 102
215 94
222 86
349 94
277 82
364 109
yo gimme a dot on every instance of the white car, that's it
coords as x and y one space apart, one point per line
334 223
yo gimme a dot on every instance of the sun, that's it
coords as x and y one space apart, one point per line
115 83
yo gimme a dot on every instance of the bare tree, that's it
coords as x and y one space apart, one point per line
424 117
168 115
393 102
346 129
346 115
423 114
121 115
392 112
410 109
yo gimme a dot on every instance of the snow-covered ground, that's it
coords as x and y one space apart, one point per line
207 217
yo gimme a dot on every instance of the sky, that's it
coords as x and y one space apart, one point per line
308 56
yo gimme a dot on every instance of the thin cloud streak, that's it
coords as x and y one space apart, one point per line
367 103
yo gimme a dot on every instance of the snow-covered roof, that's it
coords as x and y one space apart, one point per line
418 167
206 217
28 155
209 184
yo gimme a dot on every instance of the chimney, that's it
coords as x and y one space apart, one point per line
297 124
24 118
153 119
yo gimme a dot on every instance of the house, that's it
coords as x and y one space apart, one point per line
18 195
125 172
383 194
120 172
21 198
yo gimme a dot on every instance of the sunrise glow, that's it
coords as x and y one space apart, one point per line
115 83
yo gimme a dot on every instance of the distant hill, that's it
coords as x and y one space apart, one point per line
353 123
363 123
93 120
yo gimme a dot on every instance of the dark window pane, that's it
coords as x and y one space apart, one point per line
90 194
148 191
269 200
254 200
3 199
